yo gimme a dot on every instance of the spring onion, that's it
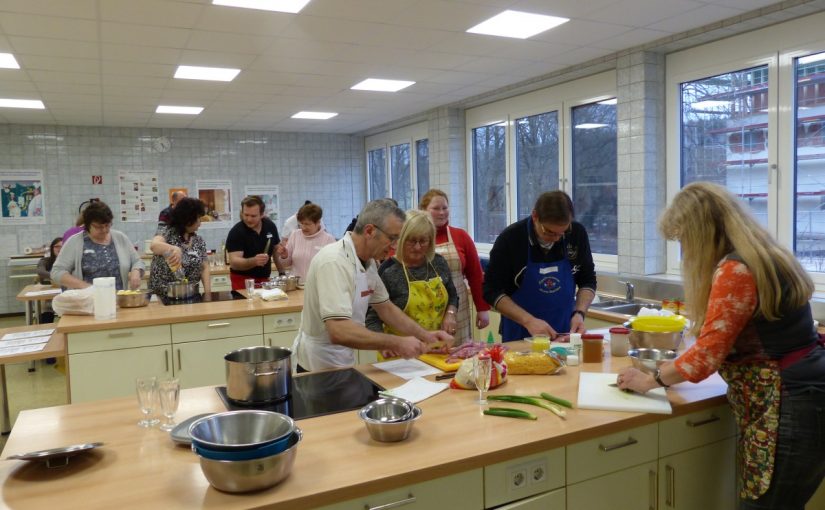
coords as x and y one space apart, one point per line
518 399
556 400
508 412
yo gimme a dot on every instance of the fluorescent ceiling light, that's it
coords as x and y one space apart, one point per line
206 73
314 115
517 24
587 125
810 59
22 103
7 61
710 103
291 6
180 110
609 101
380 85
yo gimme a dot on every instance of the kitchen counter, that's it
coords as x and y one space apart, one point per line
336 461
158 313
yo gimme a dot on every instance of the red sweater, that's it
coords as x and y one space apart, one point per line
470 264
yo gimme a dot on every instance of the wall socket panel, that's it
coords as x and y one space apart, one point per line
524 475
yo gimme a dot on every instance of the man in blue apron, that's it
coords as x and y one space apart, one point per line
541 276
342 282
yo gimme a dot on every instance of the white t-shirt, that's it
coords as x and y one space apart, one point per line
330 286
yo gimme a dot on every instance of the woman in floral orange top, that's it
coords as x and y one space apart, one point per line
752 322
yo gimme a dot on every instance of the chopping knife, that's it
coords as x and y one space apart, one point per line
626 390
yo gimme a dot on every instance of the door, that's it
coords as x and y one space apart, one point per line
700 478
629 489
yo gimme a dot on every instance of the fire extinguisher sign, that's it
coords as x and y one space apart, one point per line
97 179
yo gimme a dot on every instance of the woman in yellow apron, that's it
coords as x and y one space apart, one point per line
749 299
418 280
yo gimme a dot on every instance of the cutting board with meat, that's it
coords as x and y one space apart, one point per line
450 361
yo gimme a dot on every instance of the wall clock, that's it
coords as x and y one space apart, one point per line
161 144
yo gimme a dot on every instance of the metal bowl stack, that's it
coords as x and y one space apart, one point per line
648 360
242 451
389 419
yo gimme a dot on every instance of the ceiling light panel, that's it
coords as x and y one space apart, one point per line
380 85
290 6
7 61
179 110
314 115
206 73
22 103
517 24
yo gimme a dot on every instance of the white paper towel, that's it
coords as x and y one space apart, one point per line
416 390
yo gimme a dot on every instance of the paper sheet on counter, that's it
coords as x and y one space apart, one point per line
407 368
416 390
34 293
17 342
27 334
7 351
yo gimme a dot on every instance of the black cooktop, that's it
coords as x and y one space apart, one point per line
317 394
202 298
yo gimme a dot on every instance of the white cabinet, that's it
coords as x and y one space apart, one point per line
280 329
629 489
461 491
202 363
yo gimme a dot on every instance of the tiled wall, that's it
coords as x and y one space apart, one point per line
325 168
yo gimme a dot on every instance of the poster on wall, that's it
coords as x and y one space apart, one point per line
22 197
269 194
172 191
217 196
139 197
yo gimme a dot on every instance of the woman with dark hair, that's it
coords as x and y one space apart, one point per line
44 267
306 240
177 247
98 251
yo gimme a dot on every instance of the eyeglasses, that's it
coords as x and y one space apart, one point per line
100 227
393 239
420 242
550 233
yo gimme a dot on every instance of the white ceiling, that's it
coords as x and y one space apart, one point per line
110 62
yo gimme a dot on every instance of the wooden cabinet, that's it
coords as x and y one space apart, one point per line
280 329
461 491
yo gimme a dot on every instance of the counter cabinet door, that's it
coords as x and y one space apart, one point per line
700 478
553 500
632 488
202 363
111 374
462 491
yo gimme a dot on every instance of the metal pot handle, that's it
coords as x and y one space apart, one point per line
273 372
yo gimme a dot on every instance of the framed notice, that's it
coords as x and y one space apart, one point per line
22 199
217 196
139 197
269 194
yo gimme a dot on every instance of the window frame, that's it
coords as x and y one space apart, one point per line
406 135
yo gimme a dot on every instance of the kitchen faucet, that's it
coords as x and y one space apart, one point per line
629 289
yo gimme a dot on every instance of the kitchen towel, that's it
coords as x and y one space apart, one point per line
416 390
271 294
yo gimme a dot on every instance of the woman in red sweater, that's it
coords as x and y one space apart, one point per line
455 245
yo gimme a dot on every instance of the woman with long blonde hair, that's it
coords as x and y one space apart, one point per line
749 301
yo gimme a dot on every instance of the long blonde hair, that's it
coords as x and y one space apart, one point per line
711 223
418 224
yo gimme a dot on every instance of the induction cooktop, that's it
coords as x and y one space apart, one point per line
317 394
202 298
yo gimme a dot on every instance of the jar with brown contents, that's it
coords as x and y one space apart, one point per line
592 348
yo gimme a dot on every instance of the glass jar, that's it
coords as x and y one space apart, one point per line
592 348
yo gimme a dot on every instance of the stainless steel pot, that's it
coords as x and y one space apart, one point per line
287 283
181 290
258 374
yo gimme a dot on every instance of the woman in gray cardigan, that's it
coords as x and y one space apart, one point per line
98 252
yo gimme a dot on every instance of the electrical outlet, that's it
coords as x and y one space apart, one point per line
537 472
517 478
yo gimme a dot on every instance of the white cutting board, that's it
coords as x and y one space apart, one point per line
595 393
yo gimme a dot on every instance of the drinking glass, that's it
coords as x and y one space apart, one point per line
250 288
482 373
147 394
169 392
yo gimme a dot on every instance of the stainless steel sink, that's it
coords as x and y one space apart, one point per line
627 308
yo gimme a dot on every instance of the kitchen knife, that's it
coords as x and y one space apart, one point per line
626 390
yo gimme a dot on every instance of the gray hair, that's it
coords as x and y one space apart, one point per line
376 213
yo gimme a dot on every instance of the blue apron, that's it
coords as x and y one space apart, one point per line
547 292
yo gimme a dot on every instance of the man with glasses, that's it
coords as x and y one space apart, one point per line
342 282
541 276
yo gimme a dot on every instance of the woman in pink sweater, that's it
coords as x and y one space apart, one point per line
303 244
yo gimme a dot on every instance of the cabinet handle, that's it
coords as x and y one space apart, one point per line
179 368
269 341
218 325
713 418
395 504
670 495
630 441
121 335
652 493
166 356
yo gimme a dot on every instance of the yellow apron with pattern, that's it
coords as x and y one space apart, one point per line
753 392
426 303
463 330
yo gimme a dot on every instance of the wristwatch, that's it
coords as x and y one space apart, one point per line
657 376
580 312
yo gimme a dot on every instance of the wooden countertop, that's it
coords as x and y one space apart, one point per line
336 461
158 313
55 347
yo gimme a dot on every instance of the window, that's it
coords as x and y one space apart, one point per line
488 183
405 167
537 158
595 173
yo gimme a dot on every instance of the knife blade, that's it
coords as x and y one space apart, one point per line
626 390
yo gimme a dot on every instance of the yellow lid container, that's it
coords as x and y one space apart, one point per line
653 324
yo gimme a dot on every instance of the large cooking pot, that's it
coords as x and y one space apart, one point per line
258 374
181 290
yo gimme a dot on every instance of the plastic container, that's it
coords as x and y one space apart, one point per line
619 341
592 348
540 343
105 299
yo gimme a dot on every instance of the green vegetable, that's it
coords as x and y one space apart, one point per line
508 412
556 400
518 399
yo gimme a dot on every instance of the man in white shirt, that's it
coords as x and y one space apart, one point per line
342 283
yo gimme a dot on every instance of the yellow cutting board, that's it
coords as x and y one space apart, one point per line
439 361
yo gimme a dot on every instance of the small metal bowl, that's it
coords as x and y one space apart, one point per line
388 410
240 430
390 432
648 360
135 300
251 475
